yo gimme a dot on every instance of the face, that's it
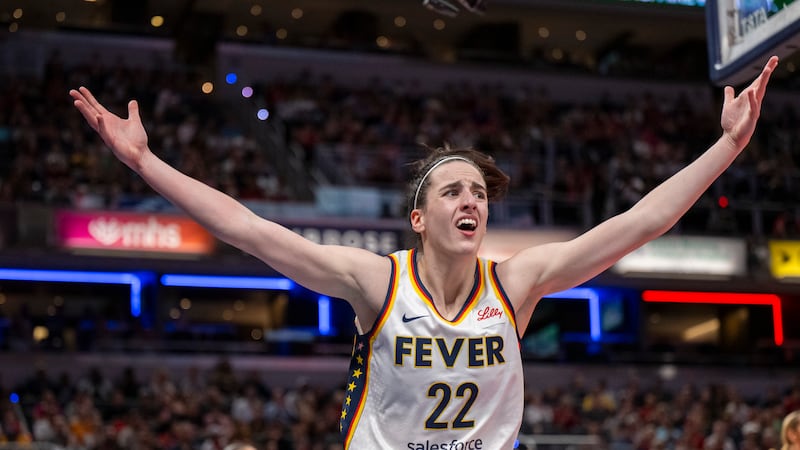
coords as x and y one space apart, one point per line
793 435
790 434
456 209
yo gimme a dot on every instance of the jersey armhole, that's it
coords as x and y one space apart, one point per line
502 296
387 302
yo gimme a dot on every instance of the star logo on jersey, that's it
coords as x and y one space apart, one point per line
411 319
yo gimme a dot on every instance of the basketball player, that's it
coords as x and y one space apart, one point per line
436 364
790 431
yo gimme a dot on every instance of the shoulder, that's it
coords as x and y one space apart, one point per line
521 274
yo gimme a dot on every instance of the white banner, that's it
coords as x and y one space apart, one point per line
688 255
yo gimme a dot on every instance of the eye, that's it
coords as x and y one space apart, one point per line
452 193
480 194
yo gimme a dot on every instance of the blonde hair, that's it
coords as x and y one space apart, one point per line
792 420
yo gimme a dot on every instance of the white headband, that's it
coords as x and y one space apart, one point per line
437 164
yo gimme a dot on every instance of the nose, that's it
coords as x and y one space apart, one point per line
469 201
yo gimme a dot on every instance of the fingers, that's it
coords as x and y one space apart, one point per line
101 126
85 96
79 96
75 94
763 79
755 103
728 92
772 63
89 97
759 85
133 110
87 112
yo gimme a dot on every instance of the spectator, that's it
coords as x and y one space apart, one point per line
790 431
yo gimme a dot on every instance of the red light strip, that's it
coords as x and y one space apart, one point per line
724 298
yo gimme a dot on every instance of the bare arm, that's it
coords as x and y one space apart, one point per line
331 270
537 271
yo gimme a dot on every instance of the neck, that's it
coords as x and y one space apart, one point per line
448 279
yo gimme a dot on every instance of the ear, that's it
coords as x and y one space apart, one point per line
417 221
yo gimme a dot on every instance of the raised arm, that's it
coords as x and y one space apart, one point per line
331 270
537 271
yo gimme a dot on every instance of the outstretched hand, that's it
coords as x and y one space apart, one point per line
740 113
126 137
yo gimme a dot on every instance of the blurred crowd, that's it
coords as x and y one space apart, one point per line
50 156
589 160
213 408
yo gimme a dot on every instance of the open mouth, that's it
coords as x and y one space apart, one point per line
467 224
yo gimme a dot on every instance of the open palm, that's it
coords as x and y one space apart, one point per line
126 137
740 113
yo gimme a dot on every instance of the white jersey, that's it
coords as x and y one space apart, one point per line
419 381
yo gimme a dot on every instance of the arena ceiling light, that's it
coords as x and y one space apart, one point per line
723 298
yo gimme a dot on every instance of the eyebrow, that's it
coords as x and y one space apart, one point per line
457 184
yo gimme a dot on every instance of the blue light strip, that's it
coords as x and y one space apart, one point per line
136 294
283 284
324 320
70 276
594 306
215 281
